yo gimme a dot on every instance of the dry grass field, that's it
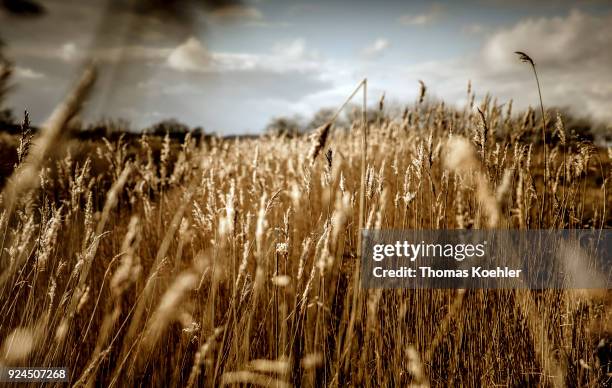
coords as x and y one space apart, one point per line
146 261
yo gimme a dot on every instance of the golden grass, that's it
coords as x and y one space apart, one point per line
232 262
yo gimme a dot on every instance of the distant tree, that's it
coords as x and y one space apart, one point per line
289 126
321 117
109 128
6 116
171 126
197 131
576 127
353 114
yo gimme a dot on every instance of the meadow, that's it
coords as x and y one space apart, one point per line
204 261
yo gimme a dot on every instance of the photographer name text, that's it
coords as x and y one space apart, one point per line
404 251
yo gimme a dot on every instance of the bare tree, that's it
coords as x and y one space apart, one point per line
284 126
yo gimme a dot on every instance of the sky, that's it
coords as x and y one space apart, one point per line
230 69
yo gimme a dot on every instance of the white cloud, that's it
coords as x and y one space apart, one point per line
190 56
376 48
27 73
575 40
295 49
68 52
572 55
286 56
72 54
422 19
